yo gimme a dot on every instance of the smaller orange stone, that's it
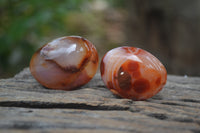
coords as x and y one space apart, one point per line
65 63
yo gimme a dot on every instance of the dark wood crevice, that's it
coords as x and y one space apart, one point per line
50 105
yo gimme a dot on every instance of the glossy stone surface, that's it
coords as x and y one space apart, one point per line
65 63
132 73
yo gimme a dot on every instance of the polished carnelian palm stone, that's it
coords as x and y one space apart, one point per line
65 63
132 73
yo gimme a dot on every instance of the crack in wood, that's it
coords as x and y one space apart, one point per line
186 120
48 105
190 100
158 116
176 104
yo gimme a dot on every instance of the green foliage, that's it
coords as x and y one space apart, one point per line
24 23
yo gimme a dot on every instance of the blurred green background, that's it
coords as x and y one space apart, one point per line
168 29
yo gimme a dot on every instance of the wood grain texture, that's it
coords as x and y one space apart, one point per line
26 106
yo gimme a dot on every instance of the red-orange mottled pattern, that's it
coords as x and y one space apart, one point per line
138 75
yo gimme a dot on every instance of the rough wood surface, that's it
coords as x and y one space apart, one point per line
26 106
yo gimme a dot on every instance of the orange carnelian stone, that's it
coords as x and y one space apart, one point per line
132 73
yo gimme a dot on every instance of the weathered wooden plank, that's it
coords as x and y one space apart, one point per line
26 106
